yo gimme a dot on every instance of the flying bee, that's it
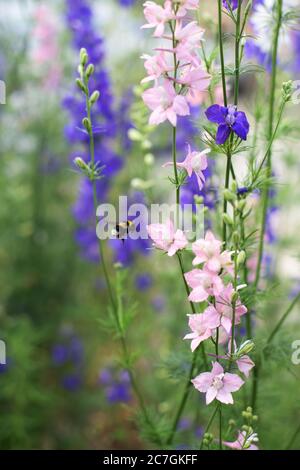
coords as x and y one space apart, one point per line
123 229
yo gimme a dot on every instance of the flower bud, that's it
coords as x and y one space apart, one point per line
135 135
90 70
95 96
229 195
236 238
227 219
146 144
245 348
234 186
80 85
149 159
241 257
87 124
83 56
287 88
241 204
234 297
80 163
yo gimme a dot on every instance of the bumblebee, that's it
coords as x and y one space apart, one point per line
122 229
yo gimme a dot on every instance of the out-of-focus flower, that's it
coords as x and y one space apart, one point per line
233 4
116 385
165 104
195 162
245 364
157 16
155 66
229 120
243 442
166 238
143 281
217 384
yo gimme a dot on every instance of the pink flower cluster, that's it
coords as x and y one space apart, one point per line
176 68
209 283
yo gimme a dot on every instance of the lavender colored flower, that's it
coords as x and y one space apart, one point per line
143 281
127 3
116 384
158 303
71 382
233 3
229 120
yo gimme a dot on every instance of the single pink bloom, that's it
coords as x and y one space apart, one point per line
202 326
188 37
245 364
243 443
155 66
165 238
208 251
165 104
185 5
195 162
217 384
224 307
203 284
196 79
157 16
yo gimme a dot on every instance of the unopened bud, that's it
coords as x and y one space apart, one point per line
245 348
241 204
87 124
135 135
236 238
234 186
234 297
149 159
90 70
80 163
94 97
227 219
241 257
83 56
229 195
80 85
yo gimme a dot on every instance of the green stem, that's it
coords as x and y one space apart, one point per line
220 35
283 318
175 168
210 423
220 427
227 178
108 283
270 134
292 440
237 53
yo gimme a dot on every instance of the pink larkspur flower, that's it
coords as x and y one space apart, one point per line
245 364
208 251
185 5
155 66
196 79
217 384
202 326
223 305
203 284
165 104
188 37
243 442
195 162
165 238
157 16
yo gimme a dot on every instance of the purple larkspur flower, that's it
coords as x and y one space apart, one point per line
127 3
71 382
116 384
143 281
59 354
233 3
229 120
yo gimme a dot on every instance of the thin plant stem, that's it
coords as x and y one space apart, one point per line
210 421
283 318
220 35
108 283
220 427
270 134
293 438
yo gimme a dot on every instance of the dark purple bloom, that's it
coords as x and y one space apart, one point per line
242 190
116 385
143 281
71 382
59 354
118 392
229 120
127 3
233 3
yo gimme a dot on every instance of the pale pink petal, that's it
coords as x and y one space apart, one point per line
224 396
203 381
245 364
211 395
198 294
217 369
232 382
